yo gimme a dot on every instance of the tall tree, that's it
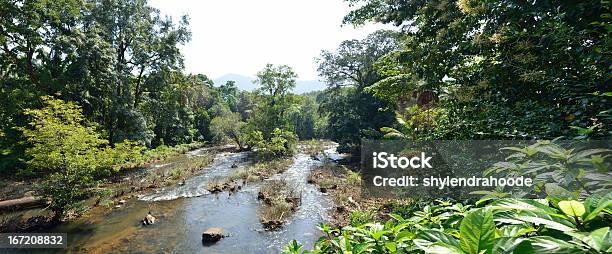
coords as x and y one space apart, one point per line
275 86
353 112
144 44
503 68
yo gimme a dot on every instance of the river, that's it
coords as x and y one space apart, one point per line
185 211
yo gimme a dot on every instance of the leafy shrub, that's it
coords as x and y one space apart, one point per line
282 143
228 126
362 217
557 169
70 154
501 226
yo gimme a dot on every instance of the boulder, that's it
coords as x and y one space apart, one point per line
272 224
148 220
212 235
215 188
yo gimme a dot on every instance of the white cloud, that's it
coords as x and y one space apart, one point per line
241 36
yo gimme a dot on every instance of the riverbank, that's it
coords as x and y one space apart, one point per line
343 183
164 167
184 208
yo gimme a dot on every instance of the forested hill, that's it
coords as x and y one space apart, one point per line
245 83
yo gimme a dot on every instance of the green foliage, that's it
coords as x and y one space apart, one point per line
275 86
229 126
119 60
281 143
417 123
352 112
305 119
557 168
500 69
477 232
358 218
70 154
59 139
502 226
163 152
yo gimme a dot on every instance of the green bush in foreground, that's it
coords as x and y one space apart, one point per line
70 155
501 226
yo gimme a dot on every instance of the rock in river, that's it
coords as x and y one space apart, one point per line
148 220
212 235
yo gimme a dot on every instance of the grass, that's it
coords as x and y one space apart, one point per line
313 147
241 174
352 207
261 170
255 173
279 201
163 152
215 185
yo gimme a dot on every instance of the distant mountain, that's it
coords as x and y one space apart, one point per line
304 86
246 83
242 82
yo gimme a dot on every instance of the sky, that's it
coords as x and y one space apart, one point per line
241 36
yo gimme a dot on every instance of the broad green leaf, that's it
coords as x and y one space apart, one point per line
553 221
507 245
547 245
572 208
391 246
601 239
515 230
585 154
597 203
529 151
477 231
443 248
521 205
557 193
428 237
606 205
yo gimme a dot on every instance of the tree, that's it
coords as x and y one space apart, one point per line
71 154
275 86
353 113
304 118
352 63
503 69
229 126
247 103
280 144
144 44
229 94
111 57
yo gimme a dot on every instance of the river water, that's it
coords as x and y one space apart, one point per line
185 211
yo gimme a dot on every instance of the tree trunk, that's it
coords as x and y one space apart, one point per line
22 203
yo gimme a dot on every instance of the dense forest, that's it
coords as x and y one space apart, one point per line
479 70
91 88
